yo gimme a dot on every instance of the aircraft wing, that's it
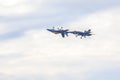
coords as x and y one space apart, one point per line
63 35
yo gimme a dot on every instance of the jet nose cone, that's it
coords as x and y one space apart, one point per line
48 29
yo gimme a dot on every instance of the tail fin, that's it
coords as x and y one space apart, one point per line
66 33
89 30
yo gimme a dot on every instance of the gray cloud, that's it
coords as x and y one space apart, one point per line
26 14
55 58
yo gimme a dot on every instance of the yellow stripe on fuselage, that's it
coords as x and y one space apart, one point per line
55 32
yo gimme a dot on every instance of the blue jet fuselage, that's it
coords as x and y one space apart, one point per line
60 31
82 34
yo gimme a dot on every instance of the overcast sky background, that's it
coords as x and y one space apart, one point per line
29 52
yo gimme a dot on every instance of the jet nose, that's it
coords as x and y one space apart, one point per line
48 29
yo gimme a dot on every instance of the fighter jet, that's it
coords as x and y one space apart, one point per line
82 34
59 31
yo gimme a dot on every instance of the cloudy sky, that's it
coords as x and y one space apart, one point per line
29 52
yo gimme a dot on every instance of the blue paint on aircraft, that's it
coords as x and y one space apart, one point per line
66 31
59 31
82 34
